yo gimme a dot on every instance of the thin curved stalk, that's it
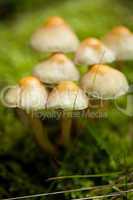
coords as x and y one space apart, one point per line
41 134
39 130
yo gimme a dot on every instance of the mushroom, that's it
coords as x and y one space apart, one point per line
104 82
93 51
67 96
55 36
57 68
33 94
11 96
30 95
120 41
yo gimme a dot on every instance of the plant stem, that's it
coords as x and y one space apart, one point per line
40 132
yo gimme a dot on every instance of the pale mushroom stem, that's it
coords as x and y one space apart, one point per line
41 134
66 124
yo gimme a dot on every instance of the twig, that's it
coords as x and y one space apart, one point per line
70 191
83 176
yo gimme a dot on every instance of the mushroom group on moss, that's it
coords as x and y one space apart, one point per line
101 81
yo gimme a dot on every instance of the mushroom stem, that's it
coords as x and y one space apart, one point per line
39 131
120 64
41 134
66 123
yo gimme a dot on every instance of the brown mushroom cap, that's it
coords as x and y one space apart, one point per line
54 21
29 81
121 30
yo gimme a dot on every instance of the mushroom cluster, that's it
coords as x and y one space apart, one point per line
69 91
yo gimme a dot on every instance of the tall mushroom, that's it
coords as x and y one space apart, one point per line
120 41
57 68
104 82
93 51
30 95
55 36
67 96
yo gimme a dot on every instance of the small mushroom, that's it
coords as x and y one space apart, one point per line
30 95
120 41
93 51
104 82
67 96
55 36
57 68
11 96
33 95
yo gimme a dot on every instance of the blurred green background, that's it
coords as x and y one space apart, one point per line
104 145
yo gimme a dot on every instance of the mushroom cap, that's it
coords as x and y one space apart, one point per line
57 68
30 94
29 81
11 98
33 94
120 41
104 82
55 36
93 51
68 96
